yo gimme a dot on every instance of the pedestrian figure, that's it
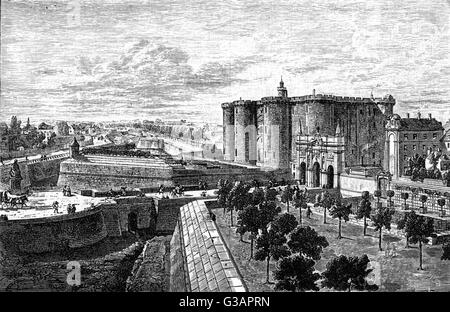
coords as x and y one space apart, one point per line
55 207
308 212
69 208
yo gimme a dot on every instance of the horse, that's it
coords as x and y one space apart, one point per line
15 200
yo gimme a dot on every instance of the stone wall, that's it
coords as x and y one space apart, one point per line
84 175
178 267
212 176
34 173
81 229
151 270
55 233
354 184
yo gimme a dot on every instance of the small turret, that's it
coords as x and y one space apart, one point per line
282 91
74 150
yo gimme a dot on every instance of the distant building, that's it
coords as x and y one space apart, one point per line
445 141
46 129
406 137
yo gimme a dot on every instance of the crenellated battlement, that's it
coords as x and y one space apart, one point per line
295 100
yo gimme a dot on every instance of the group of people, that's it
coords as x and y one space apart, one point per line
67 191
70 207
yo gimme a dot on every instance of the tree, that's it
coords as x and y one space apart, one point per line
268 210
249 222
382 219
224 188
270 244
390 194
364 209
270 194
300 201
296 273
325 201
238 198
418 229
341 212
307 242
377 194
446 251
284 223
423 199
258 196
343 273
401 225
405 197
286 195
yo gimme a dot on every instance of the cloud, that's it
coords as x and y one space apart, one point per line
148 70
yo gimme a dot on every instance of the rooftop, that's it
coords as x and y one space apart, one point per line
209 264
420 124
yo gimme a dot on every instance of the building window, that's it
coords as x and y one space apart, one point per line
235 152
414 147
405 148
424 147
373 155
435 135
425 136
414 136
361 112
265 109
237 110
405 136
405 157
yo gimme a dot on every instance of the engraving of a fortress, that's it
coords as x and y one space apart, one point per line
313 136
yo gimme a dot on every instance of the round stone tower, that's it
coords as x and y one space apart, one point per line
228 131
319 114
245 131
277 132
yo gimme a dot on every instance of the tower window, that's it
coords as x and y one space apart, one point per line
434 135
415 136
405 136
414 147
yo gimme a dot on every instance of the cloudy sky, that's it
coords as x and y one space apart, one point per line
131 59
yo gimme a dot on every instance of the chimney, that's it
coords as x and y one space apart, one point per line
314 92
407 115
418 115
429 115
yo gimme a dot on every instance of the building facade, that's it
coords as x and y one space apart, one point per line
407 137
320 159
263 132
